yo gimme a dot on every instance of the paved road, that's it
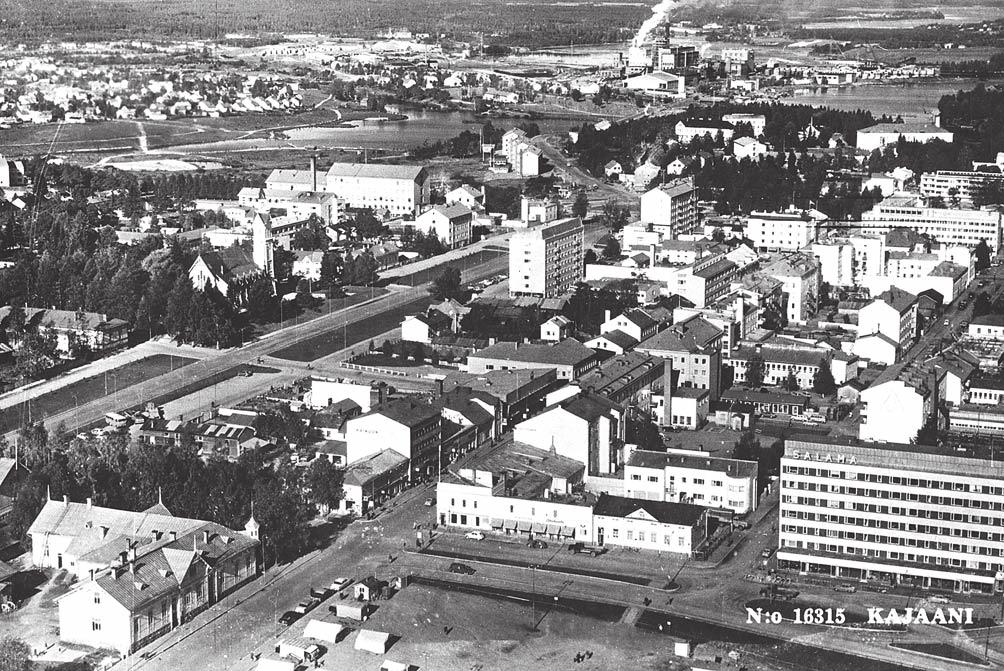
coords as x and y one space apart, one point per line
549 145
89 413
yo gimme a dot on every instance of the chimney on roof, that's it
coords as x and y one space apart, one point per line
66 500
651 255
606 316
174 535
132 554
104 531
205 536
132 567
89 502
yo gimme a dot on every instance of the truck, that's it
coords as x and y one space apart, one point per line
583 549
300 649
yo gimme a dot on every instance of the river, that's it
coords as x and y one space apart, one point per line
914 99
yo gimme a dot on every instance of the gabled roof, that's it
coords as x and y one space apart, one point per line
618 338
881 336
361 472
406 411
683 514
568 352
693 335
993 319
589 406
230 262
897 299
375 170
640 318
6 468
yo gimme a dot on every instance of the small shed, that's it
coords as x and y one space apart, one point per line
394 666
369 589
353 611
376 642
275 665
329 632
300 648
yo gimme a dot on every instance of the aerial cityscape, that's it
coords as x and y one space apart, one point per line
459 336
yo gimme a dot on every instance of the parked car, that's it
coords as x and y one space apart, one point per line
582 548
474 535
289 617
938 598
740 524
338 584
536 544
307 605
429 502
847 589
463 569
321 593
767 553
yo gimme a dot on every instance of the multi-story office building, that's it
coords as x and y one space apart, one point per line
412 430
782 231
962 186
671 209
692 478
449 223
949 226
546 261
919 514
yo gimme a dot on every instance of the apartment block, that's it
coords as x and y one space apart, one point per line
546 261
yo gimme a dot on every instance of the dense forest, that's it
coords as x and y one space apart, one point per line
534 23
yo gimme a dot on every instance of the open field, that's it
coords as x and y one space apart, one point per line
329 342
124 135
110 383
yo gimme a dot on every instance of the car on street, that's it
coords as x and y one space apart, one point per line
474 536
320 593
338 584
937 598
289 617
582 548
462 569
536 544
429 502
847 589
767 553
740 524
307 605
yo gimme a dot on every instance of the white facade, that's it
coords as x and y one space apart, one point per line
756 121
885 134
899 325
692 478
747 147
449 223
893 411
898 513
671 209
546 260
325 392
836 262
949 226
987 327
788 231
401 190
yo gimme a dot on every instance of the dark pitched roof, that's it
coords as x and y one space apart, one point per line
619 338
683 514
568 352
589 406
732 467
898 299
406 411
230 262
693 335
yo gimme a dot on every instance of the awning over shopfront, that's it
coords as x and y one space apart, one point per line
496 523
523 526
568 532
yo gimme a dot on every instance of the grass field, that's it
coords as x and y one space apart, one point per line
329 342
110 383
124 135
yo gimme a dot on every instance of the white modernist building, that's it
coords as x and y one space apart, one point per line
692 477
671 209
883 134
546 261
782 231
949 226
894 513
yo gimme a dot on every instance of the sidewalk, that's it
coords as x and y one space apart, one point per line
141 351
452 255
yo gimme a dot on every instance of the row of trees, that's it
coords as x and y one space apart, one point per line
822 382
116 473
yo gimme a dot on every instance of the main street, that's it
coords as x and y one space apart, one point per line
93 411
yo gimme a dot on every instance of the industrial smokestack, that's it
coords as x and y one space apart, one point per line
651 255
313 173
